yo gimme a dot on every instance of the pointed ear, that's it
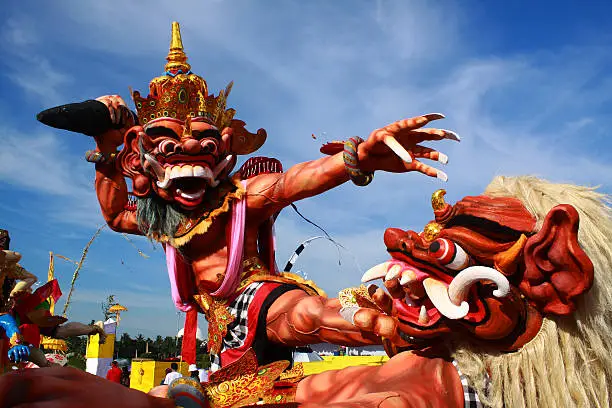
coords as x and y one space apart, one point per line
226 139
557 268
244 142
129 161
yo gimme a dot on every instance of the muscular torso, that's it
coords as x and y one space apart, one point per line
208 253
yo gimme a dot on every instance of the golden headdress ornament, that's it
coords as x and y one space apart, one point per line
179 93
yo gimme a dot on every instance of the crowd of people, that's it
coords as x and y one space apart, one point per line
118 375
194 372
122 375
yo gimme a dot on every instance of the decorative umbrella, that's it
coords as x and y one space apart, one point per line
117 309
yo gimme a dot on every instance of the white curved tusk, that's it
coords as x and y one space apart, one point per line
397 148
219 168
157 168
460 286
165 182
376 272
438 294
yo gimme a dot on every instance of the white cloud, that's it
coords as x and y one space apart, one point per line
40 162
30 70
43 164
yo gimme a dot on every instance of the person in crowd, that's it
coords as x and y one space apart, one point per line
125 377
168 371
114 374
172 375
194 372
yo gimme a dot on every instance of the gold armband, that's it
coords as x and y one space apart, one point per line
357 297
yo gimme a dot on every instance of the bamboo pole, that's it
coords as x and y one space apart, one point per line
79 266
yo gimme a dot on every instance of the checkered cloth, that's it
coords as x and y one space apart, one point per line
470 397
238 330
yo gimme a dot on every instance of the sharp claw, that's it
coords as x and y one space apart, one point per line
442 175
450 135
442 158
434 116
397 148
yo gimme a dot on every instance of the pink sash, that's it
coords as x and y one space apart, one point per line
181 273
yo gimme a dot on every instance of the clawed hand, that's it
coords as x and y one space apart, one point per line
380 321
122 119
19 353
395 147
118 110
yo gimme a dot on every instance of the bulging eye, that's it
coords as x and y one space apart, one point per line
168 146
208 146
449 254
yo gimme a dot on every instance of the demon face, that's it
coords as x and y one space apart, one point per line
481 269
179 161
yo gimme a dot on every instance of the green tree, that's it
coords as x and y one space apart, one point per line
125 347
77 361
76 345
110 301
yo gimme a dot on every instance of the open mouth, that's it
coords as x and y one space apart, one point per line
189 190
187 182
427 298
430 294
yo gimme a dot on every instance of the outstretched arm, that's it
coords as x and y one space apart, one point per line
270 193
297 318
393 148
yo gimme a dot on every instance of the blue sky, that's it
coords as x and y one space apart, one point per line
528 86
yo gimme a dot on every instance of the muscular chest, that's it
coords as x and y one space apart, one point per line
211 242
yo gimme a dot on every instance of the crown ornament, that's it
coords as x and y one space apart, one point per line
179 93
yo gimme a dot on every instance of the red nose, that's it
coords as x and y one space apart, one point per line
191 146
393 237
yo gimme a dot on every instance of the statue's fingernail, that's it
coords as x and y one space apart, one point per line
442 175
434 116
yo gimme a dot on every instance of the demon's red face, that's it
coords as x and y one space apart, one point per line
179 160
480 269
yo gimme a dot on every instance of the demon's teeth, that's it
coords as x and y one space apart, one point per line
393 273
407 277
423 317
376 272
186 171
198 171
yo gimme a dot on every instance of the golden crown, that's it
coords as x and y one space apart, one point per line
179 93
